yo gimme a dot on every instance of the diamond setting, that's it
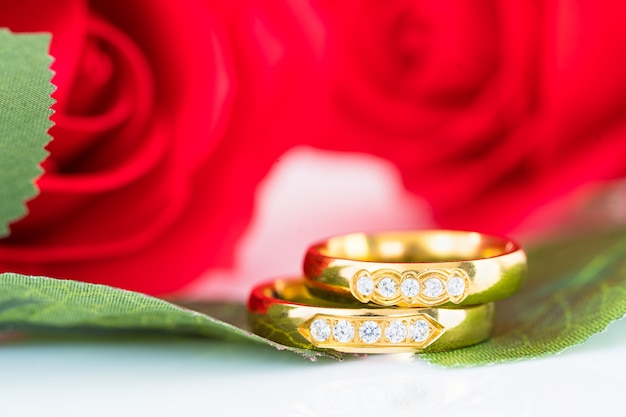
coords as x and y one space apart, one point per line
370 332
386 287
428 287
396 331
365 285
343 331
419 330
320 330
433 288
410 287
456 286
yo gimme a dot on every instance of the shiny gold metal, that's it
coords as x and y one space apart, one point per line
284 311
422 268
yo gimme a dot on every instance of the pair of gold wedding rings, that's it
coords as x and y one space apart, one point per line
427 290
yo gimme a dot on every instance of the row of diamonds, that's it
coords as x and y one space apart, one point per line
429 284
370 331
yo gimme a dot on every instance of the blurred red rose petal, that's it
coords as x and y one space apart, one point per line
162 140
488 107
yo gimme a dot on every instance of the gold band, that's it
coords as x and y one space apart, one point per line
285 312
416 268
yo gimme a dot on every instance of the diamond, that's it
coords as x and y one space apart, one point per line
410 287
456 286
433 287
419 330
365 285
395 332
369 332
320 330
343 331
386 287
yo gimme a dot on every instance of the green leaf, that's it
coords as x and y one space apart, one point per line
575 289
25 101
46 305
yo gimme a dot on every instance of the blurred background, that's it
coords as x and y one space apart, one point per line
200 147
311 194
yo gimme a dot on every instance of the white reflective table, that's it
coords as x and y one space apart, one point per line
157 377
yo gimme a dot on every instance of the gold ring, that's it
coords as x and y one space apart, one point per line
416 268
285 312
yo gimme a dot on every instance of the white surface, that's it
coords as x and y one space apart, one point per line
202 378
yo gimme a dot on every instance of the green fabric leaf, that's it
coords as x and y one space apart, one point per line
46 305
25 101
575 289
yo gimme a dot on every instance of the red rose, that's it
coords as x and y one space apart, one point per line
162 132
489 108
